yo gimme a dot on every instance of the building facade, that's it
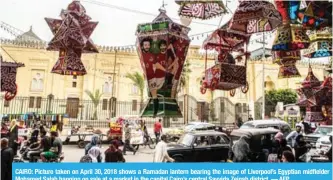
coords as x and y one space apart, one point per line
106 72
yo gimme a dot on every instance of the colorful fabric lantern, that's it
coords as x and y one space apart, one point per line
71 39
290 37
201 9
255 16
8 78
288 10
313 114
223 39
321 43
287 61
162 47
316 15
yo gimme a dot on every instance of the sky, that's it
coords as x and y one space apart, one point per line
117 19
116 26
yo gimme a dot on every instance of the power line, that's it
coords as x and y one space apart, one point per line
135 11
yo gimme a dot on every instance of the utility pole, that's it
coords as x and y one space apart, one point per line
263 74
113 104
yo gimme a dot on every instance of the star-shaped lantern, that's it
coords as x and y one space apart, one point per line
201 9
8 78
71 39
316 15
162 47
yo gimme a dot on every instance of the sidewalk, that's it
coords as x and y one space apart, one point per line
65 131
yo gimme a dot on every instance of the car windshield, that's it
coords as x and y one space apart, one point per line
323 130
186 140
189 127
247 125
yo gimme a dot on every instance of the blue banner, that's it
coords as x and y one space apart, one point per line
172 171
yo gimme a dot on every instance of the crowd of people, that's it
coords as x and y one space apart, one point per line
277 149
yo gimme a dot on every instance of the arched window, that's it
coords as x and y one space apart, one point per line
37 83
107 87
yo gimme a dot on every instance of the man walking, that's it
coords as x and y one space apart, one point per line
127 144
293 135
7 156
161 153
158 129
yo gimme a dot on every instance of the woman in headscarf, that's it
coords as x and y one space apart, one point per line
241 150
113 153
13 136
93 143
93 156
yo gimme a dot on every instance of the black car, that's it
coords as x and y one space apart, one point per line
200 146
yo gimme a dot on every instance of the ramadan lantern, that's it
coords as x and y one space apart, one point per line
321 43
255 16
316 15
290 38
8 78
309 99
162 48
71 39
201 9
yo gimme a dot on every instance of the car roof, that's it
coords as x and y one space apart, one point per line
325 126
266 122
206 133
253 131
197 123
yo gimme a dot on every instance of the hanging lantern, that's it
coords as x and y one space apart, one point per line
290 37
316 15
8 78
313 114
162 47
255 16
71 39
201 9
223 39
287 61
321 43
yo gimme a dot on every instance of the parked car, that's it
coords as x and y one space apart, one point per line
256 135
321 131
175 133
270 123
323 143
200 146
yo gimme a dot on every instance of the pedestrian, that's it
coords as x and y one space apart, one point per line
4 130
161 153
93 142
144 130
93 156
283 147
113 153
13 136
328 154
241 150
293 135
300 148
7 156
34 134
158 129
288 156
127 145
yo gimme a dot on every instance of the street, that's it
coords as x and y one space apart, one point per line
73 154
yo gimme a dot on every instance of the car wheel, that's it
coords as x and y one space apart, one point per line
81 144
136 147
178 159
151 143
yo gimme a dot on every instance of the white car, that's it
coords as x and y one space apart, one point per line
323 143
